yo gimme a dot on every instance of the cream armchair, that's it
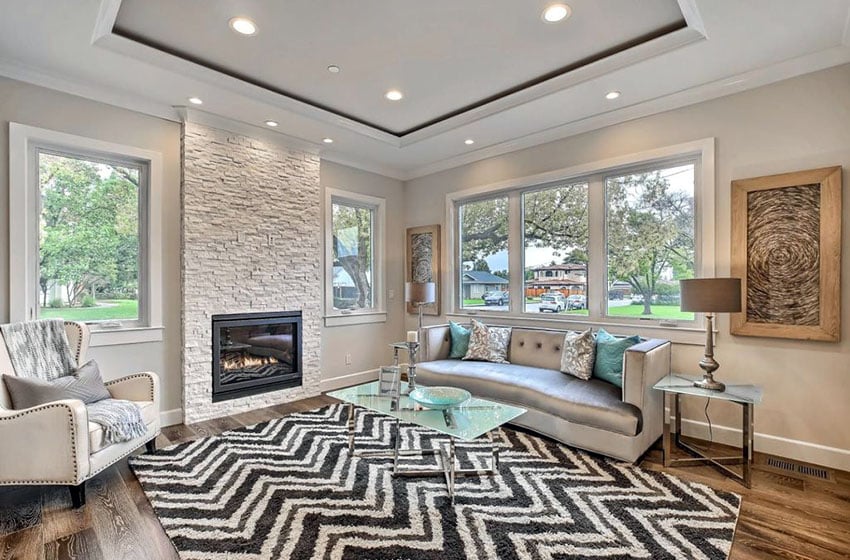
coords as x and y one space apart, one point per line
55 443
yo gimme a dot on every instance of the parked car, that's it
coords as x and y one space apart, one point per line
496 298
576 301
552 302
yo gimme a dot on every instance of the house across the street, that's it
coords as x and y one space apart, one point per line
477 282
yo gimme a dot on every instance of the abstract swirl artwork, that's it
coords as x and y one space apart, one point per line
423 262
786 235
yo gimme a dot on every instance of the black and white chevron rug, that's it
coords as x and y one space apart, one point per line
289 489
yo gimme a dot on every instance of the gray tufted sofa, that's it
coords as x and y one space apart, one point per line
593 415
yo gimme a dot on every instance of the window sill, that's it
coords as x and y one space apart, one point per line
342 320
131 335
691 334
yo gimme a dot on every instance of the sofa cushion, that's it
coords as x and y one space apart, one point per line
579 354
593 403
609 356
489 344
84 383
460 340
97 441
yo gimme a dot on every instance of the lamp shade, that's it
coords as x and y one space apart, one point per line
711 295
420 292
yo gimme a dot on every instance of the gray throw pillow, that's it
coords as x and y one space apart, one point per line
488 344
84 383
579 354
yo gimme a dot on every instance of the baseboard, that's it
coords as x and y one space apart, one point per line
808 452
348 380
171 417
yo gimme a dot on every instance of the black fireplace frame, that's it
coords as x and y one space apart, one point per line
254 386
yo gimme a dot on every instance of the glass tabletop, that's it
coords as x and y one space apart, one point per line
684 385
467 421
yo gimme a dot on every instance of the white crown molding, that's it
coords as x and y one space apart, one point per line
705 92
363 165
690 11
110 96
189 115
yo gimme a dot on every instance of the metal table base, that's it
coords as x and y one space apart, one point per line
700 458
447 461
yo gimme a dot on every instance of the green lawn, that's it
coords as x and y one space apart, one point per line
658 312
106 310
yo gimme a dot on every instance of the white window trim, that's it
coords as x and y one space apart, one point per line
378 313
704 194
23 228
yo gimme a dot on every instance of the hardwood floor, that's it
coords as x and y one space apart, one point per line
782 516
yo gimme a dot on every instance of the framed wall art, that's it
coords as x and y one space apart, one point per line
423 263
786 248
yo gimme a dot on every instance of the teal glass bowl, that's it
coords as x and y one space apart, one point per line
440 398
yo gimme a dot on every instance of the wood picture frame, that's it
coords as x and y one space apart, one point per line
422 263
786 249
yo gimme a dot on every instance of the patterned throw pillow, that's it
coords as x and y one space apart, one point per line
460 340
610 350
579 354
488 344
84 384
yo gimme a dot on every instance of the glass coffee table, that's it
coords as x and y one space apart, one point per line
466 422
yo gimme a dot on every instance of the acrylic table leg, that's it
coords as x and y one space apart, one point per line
494 449
397 446
747 444
668 443
452 469
350 428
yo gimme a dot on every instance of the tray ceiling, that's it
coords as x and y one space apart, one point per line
447 57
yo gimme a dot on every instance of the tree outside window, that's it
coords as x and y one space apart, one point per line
352 256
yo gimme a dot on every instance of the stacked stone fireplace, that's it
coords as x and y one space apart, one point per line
250 247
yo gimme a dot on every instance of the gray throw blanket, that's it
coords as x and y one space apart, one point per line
40 349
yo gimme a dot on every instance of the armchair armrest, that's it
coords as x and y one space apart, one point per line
45 444
644 364
142 386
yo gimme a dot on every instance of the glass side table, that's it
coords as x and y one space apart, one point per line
674 386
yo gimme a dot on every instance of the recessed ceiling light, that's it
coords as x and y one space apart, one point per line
195 100
243 26
469 141
612 94
333 69
556 12
271 123
328 140
394 95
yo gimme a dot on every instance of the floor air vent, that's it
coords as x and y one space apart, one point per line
790 466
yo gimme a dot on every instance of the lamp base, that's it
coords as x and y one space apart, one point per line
708 382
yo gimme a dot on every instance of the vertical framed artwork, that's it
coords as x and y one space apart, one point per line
786 248
423 262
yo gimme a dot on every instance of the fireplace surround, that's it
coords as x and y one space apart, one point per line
255 353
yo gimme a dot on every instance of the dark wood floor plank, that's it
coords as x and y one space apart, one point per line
116 518
20 508
22 545
178 433
77 546
60 519
159 544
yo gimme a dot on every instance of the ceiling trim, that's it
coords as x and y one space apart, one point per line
105 36
730 85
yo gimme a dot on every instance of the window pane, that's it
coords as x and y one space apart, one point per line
484 254
352 254
650 228
88 239
555 224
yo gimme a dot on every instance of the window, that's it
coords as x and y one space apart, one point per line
354 256
484 279
555 231
89 247
85 231
606 242
650 241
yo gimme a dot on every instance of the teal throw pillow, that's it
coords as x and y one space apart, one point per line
609 356
460 340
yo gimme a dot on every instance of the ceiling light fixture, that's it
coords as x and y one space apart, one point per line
612 95
469 141
328 140
556 12
195 101
394 95
271 123
333 69
243 26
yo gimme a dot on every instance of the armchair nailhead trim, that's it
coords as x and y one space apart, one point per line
134 376
73 443
79 339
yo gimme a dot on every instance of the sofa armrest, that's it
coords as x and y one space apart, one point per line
436 343
142 386
644 365
45 444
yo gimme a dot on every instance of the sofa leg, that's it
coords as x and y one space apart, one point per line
78 495
151 446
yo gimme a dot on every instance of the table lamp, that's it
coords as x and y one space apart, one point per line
419 294
709 296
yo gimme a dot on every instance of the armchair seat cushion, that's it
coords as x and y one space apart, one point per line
97 440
